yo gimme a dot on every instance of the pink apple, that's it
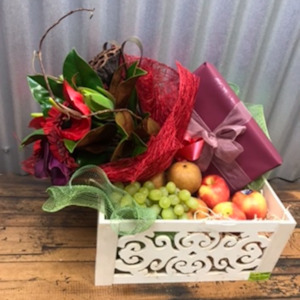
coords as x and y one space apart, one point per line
252 203
229 210
213 190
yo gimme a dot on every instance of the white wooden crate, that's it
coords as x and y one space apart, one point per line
200 250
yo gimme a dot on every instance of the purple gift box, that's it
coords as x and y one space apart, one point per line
235 146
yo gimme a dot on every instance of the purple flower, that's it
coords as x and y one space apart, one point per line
47 165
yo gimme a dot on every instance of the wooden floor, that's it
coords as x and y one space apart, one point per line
52 256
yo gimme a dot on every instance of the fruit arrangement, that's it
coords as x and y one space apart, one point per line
181 193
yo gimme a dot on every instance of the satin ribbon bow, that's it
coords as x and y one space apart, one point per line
191 150
220 144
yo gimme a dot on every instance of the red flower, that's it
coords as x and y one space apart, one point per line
72 122
59 126
75 99
37 123
58 149
71 128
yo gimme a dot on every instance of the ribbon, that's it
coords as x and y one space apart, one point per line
90 187
221 148
191 150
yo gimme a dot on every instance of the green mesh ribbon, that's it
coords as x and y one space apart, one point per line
90 187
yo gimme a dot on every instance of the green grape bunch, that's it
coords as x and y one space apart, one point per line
168 201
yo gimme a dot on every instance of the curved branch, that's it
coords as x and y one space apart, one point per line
39 52
105 111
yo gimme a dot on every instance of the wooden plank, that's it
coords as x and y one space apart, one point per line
16 179
289 196
58 245
294 209
292 249
287 266
25 205
282 184
75 281
24 186
29 240
52 254
60 219
14 239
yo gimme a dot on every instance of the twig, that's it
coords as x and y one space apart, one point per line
104 111
39 52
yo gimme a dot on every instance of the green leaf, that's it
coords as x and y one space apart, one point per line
130 146
32 137
40 92
74 65
234 87
135 71
133 103
125 122
96 141
122 89
86 158
258 183
106 93
70 145
257 112
131 70
95 100
140 146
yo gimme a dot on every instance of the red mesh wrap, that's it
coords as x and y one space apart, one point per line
168 95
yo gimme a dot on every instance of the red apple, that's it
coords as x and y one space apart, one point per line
252 203
229 210
213 190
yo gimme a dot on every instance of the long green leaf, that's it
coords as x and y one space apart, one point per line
32 137
95 100
140 146
85 76
40 92
134 71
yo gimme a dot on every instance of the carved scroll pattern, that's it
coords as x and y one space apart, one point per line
190 253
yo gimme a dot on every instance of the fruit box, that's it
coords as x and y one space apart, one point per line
200 250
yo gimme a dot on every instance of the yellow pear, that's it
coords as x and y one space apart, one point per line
186 175
158 180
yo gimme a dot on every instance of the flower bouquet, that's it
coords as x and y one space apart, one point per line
126 115
116 111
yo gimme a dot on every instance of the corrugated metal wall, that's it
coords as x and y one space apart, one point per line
253 43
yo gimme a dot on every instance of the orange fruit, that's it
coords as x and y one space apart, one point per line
185 175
